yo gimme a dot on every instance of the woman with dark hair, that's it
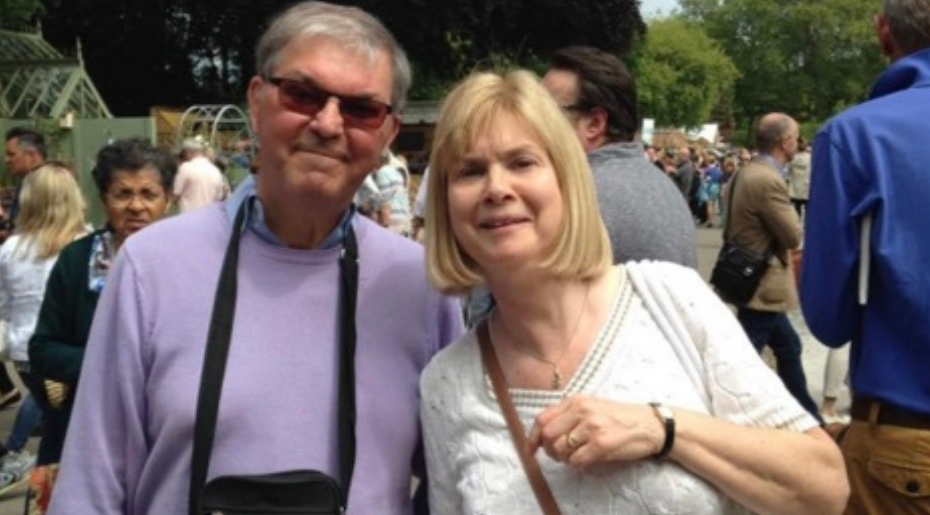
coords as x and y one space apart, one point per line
134 181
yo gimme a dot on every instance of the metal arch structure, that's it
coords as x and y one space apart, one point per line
38 82
220 126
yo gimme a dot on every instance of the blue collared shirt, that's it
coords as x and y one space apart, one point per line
781 169
255 216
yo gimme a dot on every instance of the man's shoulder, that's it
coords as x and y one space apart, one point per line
635 172
387 244
759 173
184 234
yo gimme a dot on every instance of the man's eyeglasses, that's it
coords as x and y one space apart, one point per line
122 198
306 98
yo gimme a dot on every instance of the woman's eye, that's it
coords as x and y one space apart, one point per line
524 162
469 171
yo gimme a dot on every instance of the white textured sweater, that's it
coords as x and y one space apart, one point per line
474 469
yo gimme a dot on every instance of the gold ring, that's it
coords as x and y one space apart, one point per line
571 441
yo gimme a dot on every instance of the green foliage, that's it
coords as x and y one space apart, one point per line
179 52
681 74
19 11
808 59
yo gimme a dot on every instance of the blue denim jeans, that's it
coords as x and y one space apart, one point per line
28 418
775 330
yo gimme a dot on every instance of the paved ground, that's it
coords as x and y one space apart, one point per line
814 357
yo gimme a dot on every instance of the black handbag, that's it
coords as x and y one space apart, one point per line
296 492
738 271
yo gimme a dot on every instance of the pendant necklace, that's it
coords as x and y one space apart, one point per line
556 382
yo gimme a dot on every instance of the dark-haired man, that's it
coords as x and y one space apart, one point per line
645 215
24 151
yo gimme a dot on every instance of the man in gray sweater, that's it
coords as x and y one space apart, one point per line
645 214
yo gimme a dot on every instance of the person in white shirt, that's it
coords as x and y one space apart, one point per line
198 182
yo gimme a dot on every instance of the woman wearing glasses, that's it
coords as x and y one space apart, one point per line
635 388
133 180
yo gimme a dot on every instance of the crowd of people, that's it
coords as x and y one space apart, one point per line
526 332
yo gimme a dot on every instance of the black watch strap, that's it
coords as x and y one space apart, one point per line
668 419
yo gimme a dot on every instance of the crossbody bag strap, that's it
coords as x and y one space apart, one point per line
730 194
770 251
517 432
217 352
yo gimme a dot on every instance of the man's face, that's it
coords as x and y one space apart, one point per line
563 86
20 160
319 158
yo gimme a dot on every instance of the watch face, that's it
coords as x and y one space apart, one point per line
666 412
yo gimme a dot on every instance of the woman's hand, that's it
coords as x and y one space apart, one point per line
767 470
585 431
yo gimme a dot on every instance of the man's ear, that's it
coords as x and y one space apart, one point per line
594 124
253 95
393 129
885 39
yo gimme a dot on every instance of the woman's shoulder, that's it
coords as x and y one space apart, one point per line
665 272
80 246
452 362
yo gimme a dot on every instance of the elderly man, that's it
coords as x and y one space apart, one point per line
324 105
646 217
865 260
762 220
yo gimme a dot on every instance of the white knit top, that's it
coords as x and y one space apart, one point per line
474 469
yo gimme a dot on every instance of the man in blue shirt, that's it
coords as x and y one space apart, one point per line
865 262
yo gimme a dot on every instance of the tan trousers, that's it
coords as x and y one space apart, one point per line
889 469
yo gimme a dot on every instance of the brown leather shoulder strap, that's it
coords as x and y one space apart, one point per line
517 432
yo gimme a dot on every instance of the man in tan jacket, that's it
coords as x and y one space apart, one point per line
763 220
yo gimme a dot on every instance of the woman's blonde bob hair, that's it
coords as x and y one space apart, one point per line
51 210
472 109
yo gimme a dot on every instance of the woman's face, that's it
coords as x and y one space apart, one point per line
134 200
505 205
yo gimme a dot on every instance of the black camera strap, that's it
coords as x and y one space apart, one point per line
217 352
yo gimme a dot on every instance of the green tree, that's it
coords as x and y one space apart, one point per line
19 11
179 52
809 59
681 74
449 39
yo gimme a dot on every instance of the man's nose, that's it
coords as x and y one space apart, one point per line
328 121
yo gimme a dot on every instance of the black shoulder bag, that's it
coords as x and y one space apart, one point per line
297 492
738 270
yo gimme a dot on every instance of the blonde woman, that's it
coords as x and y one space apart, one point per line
51 216
638 389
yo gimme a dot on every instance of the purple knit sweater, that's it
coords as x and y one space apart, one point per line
129 444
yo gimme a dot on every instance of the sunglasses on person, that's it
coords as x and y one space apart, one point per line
306 98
